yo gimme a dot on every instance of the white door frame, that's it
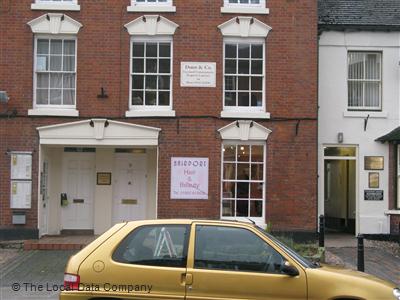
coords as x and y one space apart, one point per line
355 158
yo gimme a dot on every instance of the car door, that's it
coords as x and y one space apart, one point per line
149 263
234 262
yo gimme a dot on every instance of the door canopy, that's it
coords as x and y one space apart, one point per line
99 132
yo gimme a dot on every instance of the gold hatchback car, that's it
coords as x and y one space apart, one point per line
191 259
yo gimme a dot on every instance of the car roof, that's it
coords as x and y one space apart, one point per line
187 221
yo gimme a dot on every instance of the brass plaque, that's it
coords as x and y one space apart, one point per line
129 201
373 162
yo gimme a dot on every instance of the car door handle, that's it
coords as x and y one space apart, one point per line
187 279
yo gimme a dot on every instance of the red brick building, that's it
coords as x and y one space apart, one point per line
109 100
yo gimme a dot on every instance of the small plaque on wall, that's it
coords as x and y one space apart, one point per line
373 180
373 162
103 178
373 195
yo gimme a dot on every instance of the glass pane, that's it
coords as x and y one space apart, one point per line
165 50
257 172
230 66
230 83
138 50
69 97
151 65
256 67
163 98
230 99
164 66
256 51
356 65
56 81
243 171
56 47
244 50
163 82
229 171
373 66
243 83
256 208
228 208
230 51
340 151
55 96
138 82
151 50
137 98
372 93
229 152
42 96
355 94
69 81
256 83
256 99
244 66
257 153
42 63
242 208
242 189
256 190
43 80
43 47
243 99
151 98
228 190
69 47
151 82
69 63
55 63
138 66
244 153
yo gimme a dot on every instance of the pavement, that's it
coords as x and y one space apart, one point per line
34 275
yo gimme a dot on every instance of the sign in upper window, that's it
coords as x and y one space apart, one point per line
151 5
244 6
364 80
55 5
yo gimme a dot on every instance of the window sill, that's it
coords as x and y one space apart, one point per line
245 115
364 114
150 113
50 6
151 8
392 212
59 112
245 10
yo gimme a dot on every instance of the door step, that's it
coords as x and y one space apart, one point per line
59 242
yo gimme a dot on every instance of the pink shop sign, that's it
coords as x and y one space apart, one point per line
189 178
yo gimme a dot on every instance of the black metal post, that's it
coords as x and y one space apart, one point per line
360 253
321 231
399 234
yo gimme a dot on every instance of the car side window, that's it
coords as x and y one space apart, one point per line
155 245
234 249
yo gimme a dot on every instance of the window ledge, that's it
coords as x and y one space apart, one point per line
150 113
61 112
50 6
151 8
245 10
245 115
392 212
364 114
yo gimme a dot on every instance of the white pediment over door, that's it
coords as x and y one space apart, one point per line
244 130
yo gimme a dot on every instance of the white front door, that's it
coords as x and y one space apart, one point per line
78 185
129 187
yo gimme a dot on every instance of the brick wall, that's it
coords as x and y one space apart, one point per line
103 61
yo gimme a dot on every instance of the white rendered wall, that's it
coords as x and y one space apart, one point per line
334 117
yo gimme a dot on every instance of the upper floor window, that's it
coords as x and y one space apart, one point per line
152 5
364 80
245 6
55 5
55 72
243 75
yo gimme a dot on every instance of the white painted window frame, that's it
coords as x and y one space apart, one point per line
232 111
151 6
245 8
150 110
365 108
258 220
53 110
55 5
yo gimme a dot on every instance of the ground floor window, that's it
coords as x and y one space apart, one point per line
243 169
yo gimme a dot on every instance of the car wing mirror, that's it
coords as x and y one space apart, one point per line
289 269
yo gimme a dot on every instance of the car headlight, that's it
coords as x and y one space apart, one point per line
396 293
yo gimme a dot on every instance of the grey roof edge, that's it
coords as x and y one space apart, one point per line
369 27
